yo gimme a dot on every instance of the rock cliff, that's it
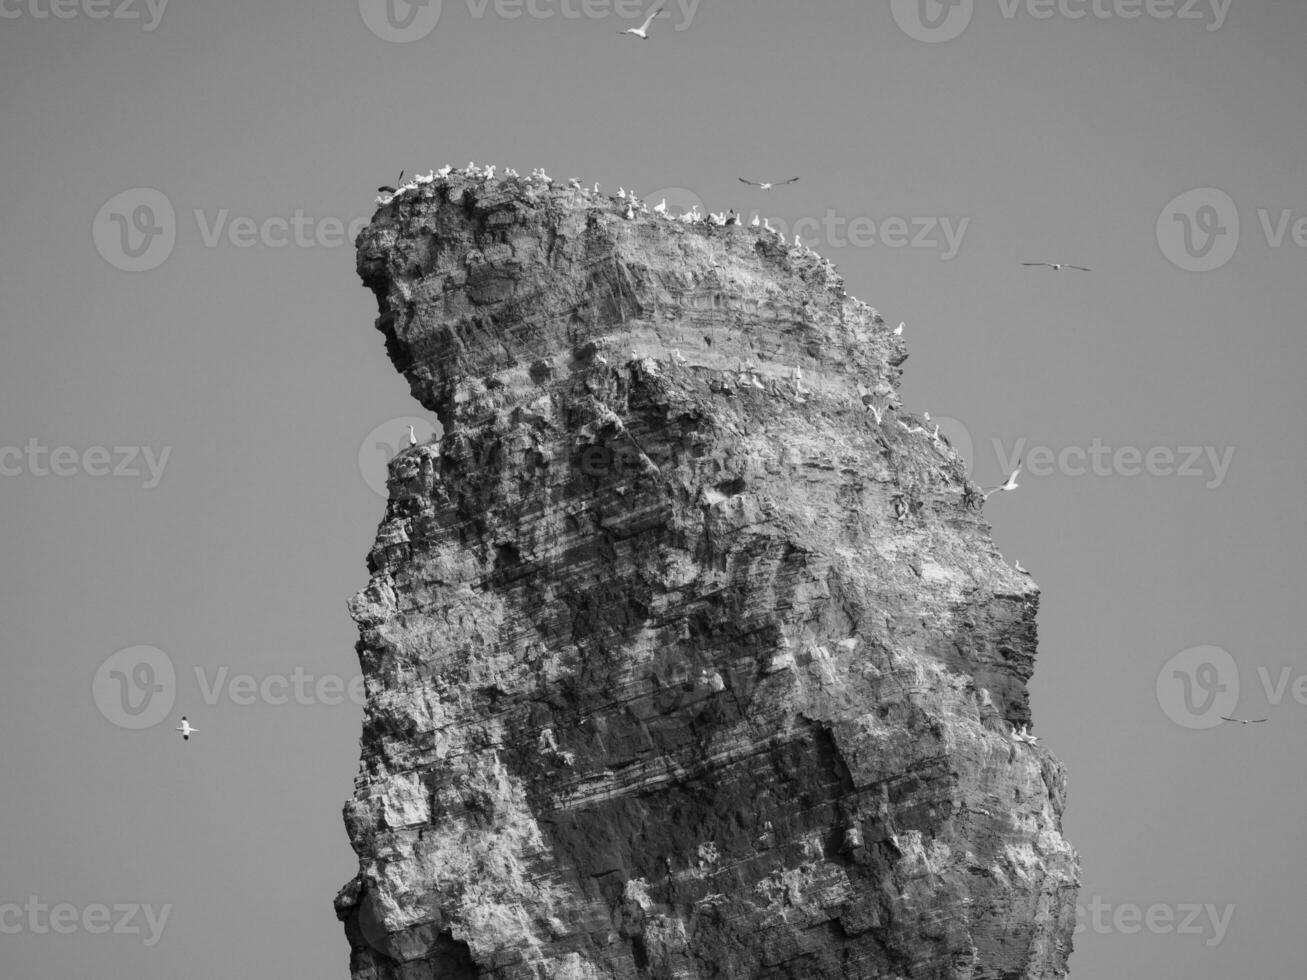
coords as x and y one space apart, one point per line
688 652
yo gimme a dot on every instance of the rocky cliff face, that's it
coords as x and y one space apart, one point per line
680 663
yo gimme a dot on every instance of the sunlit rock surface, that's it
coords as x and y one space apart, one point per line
679 663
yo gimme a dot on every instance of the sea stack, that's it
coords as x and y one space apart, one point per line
670 675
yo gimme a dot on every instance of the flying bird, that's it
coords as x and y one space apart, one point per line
387 189
186 729
1058 266
1011 483
642 32
1244 721
765 186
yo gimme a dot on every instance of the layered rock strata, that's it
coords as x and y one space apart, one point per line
688 652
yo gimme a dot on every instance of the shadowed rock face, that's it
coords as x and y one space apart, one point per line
678 669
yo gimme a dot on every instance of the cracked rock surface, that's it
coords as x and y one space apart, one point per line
679 663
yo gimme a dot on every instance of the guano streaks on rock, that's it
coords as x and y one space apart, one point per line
679 664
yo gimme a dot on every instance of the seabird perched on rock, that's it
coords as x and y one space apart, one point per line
898 331
1245 721
1011 483
642 32
755 222
387 189
732 218
1017 566
630 213
445 171
661 207
678 357
1058 266
186 729
767 186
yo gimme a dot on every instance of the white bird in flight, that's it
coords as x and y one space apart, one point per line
1011 483
186 729
767 186
1244 721
642 32
1058 266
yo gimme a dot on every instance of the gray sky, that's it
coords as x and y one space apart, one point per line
257 369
